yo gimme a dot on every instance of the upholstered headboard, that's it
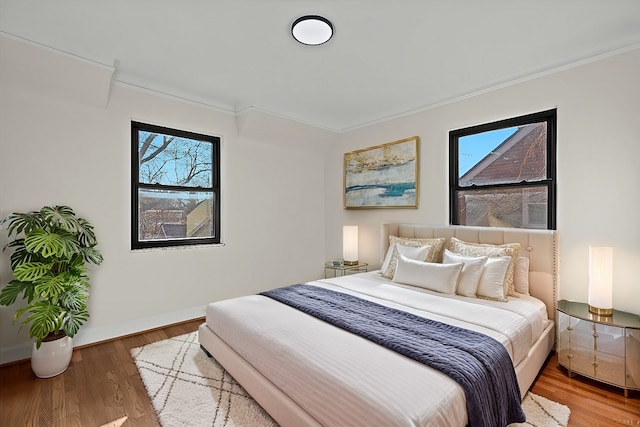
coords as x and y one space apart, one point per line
540 246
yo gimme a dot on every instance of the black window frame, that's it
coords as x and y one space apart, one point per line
548 116
136 185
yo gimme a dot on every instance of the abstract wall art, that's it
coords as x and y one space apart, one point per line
383 176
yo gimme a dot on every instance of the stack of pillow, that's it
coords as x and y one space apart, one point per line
468 269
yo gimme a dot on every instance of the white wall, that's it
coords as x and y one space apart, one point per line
282 183
75 150
598 159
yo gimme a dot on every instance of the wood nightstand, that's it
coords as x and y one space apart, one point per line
604 348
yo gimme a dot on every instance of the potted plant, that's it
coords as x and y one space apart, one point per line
52 248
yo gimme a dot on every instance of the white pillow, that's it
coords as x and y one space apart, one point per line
429 275
387 258
435 253
410 251
484 249
471 272
521 276
491 284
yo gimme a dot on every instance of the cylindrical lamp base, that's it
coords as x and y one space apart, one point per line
601 311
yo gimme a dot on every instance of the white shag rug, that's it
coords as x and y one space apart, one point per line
542 412
188 388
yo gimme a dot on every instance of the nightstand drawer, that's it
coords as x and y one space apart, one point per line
610 368
575 330
582 333
610 339
564 321
576 358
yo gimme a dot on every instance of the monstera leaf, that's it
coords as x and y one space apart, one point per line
31 271
48 244
44 318
62 217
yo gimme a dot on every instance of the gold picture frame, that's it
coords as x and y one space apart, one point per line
383 176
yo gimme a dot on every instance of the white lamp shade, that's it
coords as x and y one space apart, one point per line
601 278
350 244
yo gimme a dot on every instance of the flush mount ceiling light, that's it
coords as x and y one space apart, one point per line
312 30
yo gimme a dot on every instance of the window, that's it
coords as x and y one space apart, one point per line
503 174
175 187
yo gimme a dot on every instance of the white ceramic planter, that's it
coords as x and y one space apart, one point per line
52 358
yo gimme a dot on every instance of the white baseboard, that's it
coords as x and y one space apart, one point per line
87 335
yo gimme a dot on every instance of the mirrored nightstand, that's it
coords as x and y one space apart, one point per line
604 348
340 269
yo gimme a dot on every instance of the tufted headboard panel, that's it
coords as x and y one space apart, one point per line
540 246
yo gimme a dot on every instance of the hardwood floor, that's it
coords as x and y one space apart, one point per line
592 404
102 388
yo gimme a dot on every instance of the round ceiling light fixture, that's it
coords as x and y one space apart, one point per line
312 30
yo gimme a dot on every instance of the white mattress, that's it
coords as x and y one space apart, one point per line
313 362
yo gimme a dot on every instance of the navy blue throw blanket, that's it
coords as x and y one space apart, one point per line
480 364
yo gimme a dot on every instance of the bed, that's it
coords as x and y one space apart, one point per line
306 372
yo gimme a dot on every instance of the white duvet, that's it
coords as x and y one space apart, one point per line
344 380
